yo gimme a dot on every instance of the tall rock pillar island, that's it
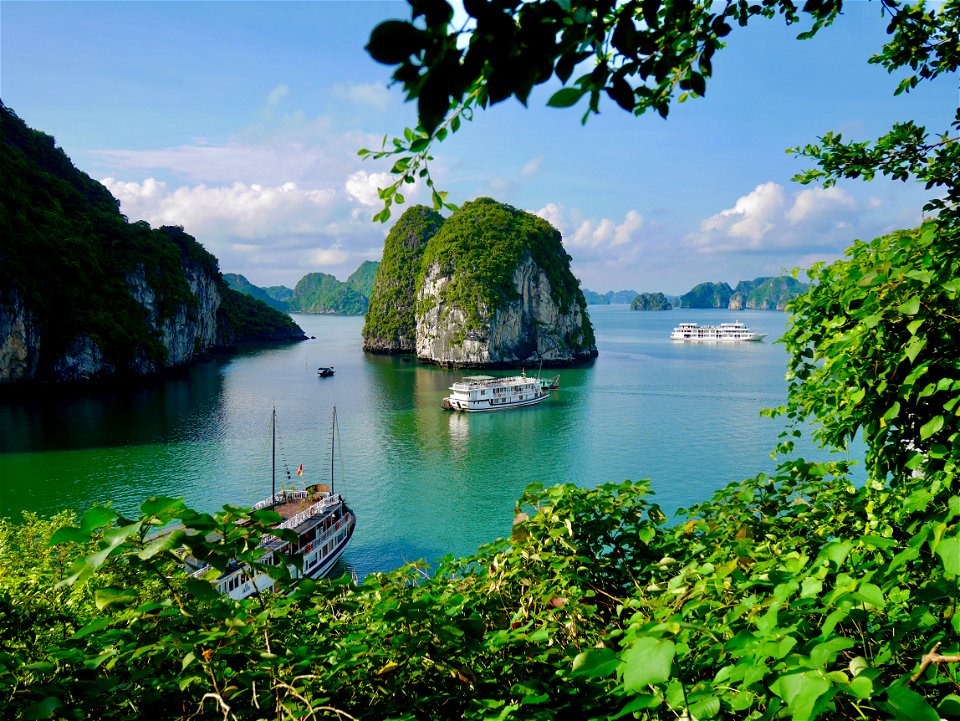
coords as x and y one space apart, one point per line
490 287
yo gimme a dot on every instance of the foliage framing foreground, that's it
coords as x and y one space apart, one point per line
796 596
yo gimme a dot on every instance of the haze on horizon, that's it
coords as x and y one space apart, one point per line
241 122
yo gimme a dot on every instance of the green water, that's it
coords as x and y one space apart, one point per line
423 481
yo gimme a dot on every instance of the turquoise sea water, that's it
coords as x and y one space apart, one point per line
424 482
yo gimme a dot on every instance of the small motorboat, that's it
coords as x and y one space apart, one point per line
325 372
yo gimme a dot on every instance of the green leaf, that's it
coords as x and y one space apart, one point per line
949 706
800 691
595 663
159 505
857 665
930 427
565 97
96 517
837 551
916 344
43 709
106 597
908 705
949 551
68 534
910 307
870 593
647 661
203 590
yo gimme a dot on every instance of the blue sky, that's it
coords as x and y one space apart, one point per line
241 122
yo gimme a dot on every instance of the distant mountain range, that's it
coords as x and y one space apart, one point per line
316 292
764 293
611 296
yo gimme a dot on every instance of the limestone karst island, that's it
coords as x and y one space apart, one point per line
489 287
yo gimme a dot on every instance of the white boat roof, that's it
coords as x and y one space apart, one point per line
478 378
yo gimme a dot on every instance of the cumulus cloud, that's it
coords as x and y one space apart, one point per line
768 219
262 231
590 235
364 187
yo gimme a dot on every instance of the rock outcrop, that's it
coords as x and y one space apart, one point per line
391 324
19 339
85 295
651 301
490 287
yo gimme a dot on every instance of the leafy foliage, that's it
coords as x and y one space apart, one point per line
391 321
643 55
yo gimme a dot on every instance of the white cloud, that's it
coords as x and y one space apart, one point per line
271 233
768 220
816 203
374 95
752 216
364 188
531 167
277 94
592 236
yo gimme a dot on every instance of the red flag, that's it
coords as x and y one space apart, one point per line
300 470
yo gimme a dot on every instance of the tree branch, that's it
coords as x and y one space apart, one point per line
934 657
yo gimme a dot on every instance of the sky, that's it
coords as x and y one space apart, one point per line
241 121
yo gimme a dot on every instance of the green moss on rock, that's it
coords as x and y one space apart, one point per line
390 325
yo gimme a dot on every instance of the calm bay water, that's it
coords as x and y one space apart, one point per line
424 482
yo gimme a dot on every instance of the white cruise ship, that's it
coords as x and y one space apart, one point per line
324 525
486 393
723 333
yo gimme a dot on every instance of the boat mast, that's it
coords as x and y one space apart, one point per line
333 436
273 456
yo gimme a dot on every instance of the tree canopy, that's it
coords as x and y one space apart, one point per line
642 55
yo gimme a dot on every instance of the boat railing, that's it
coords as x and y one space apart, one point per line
314 510
279 497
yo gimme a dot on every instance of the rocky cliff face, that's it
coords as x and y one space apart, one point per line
528 330
192 328
19 340
496 291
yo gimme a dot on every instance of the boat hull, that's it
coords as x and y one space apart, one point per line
463 407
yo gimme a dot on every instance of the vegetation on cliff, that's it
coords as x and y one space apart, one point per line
315 292
250 320
480 247
363 278
240 284
651 301
706 295
68 253
323 293
391 321
769 293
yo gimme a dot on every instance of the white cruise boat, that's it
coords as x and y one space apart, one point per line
486 393
322 521
723 333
